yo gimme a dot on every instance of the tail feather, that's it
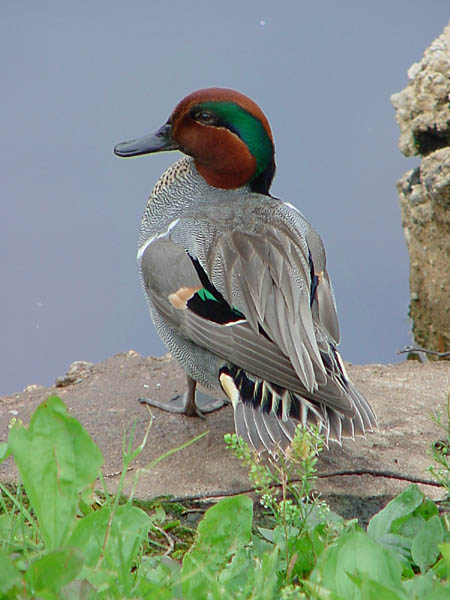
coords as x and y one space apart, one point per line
289 428
265 432
335 426
348 428
252 429
266 415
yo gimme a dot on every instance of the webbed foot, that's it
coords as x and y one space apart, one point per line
191 403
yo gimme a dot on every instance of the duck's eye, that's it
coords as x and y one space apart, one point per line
204 116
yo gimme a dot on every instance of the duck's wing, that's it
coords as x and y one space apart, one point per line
280 283
254 298
268 278
184 295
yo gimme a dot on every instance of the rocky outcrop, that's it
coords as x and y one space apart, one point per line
423 115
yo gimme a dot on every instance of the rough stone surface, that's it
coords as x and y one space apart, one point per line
423 115
104 400
75 373
422 108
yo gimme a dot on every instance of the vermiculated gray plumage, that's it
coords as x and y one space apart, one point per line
259 253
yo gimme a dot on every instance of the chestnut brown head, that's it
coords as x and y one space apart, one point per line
225 132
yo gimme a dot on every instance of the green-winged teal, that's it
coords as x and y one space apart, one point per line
236 280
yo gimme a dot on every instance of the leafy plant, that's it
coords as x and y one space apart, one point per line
440 453
303 524
58 463
59 541
67 542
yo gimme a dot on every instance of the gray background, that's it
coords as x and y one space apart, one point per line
77 77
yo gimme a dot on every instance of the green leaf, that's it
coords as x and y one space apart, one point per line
418 586
13 531
265 584
408 526
3 450
279 535
398 544
114 537
374 590
9 575
427 509
266 533
401 506
225 528
246 577
155 591
445 551
260 547
57 460
308 547
158 578
319 592
304 547
424 548
54 570
78 590
440 593
354 553
235 575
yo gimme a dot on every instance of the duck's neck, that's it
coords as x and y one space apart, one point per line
262 183
180 189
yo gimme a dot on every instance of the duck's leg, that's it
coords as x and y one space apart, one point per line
191 403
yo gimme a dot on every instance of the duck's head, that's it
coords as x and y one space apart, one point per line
225 132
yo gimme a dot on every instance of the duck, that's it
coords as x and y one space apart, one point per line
236 281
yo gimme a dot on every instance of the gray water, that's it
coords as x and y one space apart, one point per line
78 77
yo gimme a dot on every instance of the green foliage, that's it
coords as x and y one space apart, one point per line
354 560
225 530
57 461
9 575
59 541
67 544
303 525
53 570
440 453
